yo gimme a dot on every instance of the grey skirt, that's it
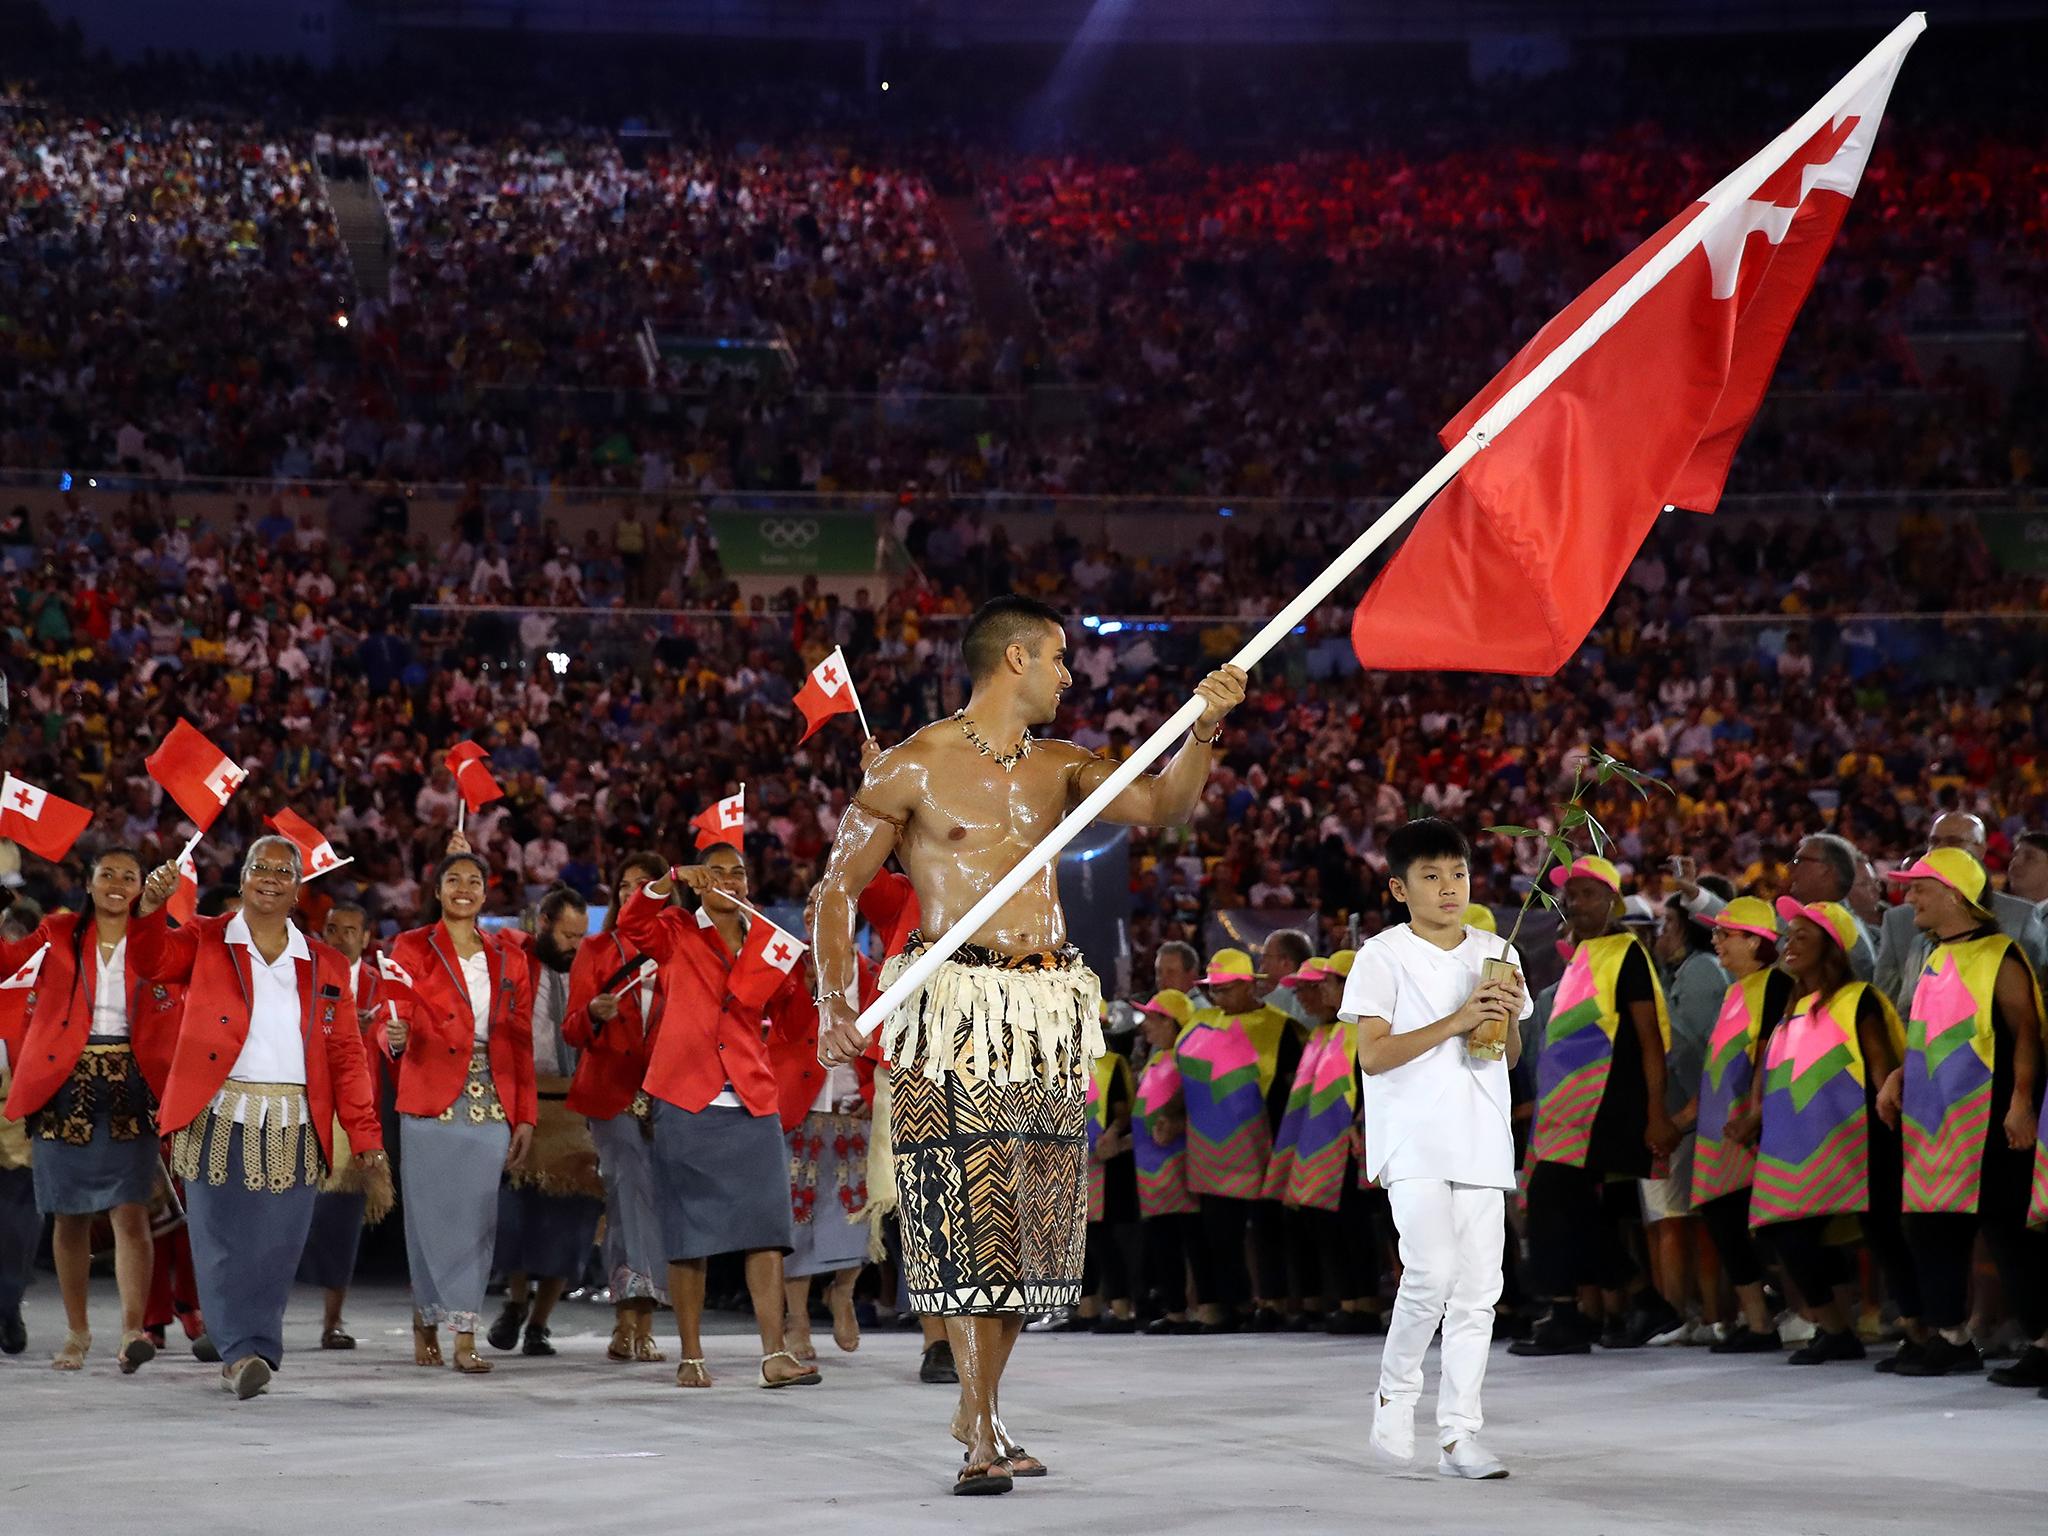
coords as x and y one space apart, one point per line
97 1145
449 1176
722 1181
632 1222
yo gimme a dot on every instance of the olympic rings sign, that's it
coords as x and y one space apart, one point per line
790 533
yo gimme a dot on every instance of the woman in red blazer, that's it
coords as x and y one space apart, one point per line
612 1016
91 1063
466 1102
719 1158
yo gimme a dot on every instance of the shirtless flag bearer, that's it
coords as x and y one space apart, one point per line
991 1057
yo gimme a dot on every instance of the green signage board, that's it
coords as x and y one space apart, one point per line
795 543
2017 540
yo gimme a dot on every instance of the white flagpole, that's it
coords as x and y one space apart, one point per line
859 713
1725 198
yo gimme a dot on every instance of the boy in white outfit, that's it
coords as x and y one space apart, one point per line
1436 1135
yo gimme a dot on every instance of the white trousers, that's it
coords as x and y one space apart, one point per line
1452 1238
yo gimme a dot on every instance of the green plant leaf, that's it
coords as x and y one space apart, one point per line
1560 849
1576 816
1500 831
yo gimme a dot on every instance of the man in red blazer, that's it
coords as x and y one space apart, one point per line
615 1006
268 1057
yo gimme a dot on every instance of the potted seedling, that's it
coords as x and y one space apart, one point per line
1596 770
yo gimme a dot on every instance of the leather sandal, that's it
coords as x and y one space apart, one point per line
467 1361
136 1352
426 1344
807 1375
977 1477
336 1338
646 1351
622 1345
698 1374
77 1344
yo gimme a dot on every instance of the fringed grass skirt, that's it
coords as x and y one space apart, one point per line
988 1124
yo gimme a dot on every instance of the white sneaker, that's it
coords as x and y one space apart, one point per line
1675 1335
1393 1429
1468 1458
1795 1330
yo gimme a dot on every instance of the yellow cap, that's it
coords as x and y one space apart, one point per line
1481 918
1340 962
1954 869
1749 914
1588 866
1228 965
1172 1003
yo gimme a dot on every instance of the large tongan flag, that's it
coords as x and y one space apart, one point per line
764 964
195 773
723 822
1511 565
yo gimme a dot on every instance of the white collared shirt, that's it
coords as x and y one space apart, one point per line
726 1099
275 1051
110 994
476 976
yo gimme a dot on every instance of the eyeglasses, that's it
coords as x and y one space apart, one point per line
281 871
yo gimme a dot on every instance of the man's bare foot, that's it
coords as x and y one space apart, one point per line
845 1325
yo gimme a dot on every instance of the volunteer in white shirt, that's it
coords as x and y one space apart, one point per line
1437 1135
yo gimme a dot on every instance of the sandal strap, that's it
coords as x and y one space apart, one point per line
781 1354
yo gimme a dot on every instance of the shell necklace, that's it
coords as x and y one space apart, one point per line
1003 760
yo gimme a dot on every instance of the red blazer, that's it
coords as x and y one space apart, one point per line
889 906
48 1046
793 1048
613 1063
216 1026
369 992
443 1029
705 1040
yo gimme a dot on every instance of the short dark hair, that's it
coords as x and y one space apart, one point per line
2034 840
557 898
1427 837
348 906
998 624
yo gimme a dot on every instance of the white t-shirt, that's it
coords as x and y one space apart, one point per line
1444 1115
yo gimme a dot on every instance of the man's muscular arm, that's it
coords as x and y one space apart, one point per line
867 835
1168 797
